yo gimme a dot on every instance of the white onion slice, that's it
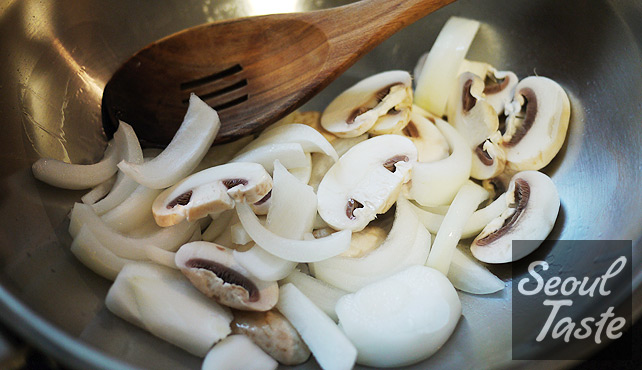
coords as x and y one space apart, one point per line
99 191
438 75
122 189
310 139
462 207
95 256
184 152
324 295
264 265
436 183
304 173
161 256
168 238
476 223
133 211
470 276
238 352
222 153
290 154
239 235
289 249
328 344
218 225
164 302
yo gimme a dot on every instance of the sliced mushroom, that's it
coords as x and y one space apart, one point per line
382 100
214 271
431 144
273 333
536 124
212 190
499 88
477 121
365 181
532 207
365 241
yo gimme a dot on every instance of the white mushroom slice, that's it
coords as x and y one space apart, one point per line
324 295
365 241
408 243
189 145
95 256
327 342
480 69
431 144
310 118
214 271
489 159
357 109
436 183
211 190
238 352
533 205
161 301
291 155
169 238
291 249
438 75
469 276
499 88
536 124
401 319
474 225
396 119
321 164
64 175
271 331
365 181
133 211
463 206
310 139
470 114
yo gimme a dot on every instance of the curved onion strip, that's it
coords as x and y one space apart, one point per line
462 207
345 277
436 183
290 154
288 249
310 139
218 225
476 222
133 211
161 256
263 265
439 72
327 342
470 276
184 152
122 189
239 235
99 191
164 302
237 351
168 238
323 295
95 256
223 153
303 173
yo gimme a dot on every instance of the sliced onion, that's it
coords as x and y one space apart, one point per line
438 74
479 219
161 256
239 235
264 265
133 211
218 225
310 139
462 207
323 295
238 352
408 243
470 276
168 238
99 191
303 173
222 153
290 154
289 249
436 183
184 152
328 344
95 256
163 302
122 189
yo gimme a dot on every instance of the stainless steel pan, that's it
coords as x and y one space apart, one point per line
57 56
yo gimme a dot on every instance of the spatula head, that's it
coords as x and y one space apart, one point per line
253 71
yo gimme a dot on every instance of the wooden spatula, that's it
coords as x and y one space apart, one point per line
252 70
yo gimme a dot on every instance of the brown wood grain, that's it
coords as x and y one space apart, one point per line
285 59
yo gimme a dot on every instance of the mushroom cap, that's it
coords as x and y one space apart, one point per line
499 88
382 96
532 207
213 270
210 191
536 124
489 159
430 142
365 181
